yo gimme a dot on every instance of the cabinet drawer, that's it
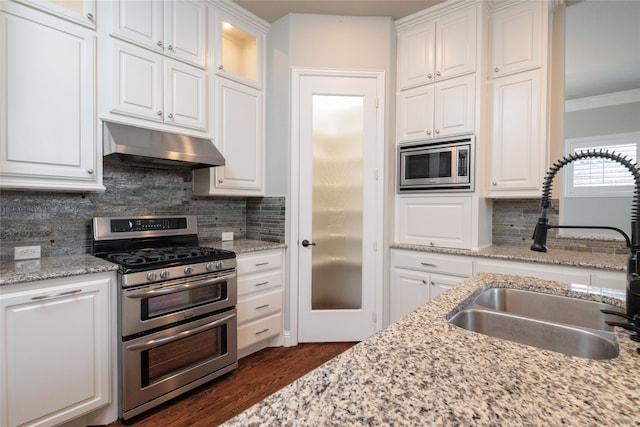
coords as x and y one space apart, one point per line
259 305
259 261
444 264
259 330
259 282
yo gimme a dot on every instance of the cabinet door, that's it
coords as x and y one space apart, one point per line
416 56
516 38
81 12
185 95
139 22
439 284
47 103
415 113
240 137
239 50
435 221
55 344
409 290
454 107
456 44
136 88
185 31
518 145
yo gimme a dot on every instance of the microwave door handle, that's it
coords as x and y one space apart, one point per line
161 341
186 286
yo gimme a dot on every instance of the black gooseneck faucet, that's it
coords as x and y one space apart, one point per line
540 232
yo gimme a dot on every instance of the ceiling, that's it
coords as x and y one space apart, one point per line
272 10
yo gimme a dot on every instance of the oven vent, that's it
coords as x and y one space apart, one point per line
157 149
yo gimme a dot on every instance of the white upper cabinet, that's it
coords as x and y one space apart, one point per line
240 139
156 88
434 111
437 49
81 12
518 138
239 49
176 28
47 103
516 38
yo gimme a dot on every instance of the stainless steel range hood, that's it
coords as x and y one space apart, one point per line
156 149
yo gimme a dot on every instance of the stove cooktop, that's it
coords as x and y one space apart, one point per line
150 258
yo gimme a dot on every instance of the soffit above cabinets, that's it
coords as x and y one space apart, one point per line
272 10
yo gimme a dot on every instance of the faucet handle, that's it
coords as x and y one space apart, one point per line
633 320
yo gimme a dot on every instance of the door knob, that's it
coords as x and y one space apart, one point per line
306 243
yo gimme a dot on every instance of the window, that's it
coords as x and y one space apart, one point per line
596 177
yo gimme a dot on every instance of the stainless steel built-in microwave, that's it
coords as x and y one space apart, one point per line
436 165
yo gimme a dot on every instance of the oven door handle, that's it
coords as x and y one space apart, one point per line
161 341
160 290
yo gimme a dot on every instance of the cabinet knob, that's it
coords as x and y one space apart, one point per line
494 183
159 43
428 132
170 47
90 16
437 131
429 75
90 171
159 113
220 180
220 67
433 283
438 73
424 282
496 69
170 115
432 244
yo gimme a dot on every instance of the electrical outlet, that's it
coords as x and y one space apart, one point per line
227 235
26 252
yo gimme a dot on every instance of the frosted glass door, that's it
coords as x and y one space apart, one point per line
337 164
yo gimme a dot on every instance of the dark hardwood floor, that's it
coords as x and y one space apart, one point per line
258 375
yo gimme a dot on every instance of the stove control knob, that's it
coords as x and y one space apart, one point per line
152 275
165 274
188 270
211 266
219 265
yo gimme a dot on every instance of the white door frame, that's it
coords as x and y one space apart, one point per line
296 74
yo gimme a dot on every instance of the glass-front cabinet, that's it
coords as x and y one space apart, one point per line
81 12
240 49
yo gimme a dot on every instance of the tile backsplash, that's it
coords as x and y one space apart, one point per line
514 221
61 222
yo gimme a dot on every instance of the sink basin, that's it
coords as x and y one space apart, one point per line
574 341
553 308
552 322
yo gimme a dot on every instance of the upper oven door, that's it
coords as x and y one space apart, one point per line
155 306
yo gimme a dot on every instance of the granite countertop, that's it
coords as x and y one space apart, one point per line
614 262
12 273
423 371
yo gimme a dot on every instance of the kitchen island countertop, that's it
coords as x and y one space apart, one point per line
423 371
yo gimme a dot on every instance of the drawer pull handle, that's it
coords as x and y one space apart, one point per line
426 264
262 306
38 298
262 283
262 331
262 263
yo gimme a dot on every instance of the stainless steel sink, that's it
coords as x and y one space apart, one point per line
552 322
553 308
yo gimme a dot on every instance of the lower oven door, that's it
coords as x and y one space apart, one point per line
160 304
164 364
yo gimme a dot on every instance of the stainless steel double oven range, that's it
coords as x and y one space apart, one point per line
176 307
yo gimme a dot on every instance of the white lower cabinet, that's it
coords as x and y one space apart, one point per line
435 221
418 277
260 300
57 350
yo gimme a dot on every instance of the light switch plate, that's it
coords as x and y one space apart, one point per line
227 235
